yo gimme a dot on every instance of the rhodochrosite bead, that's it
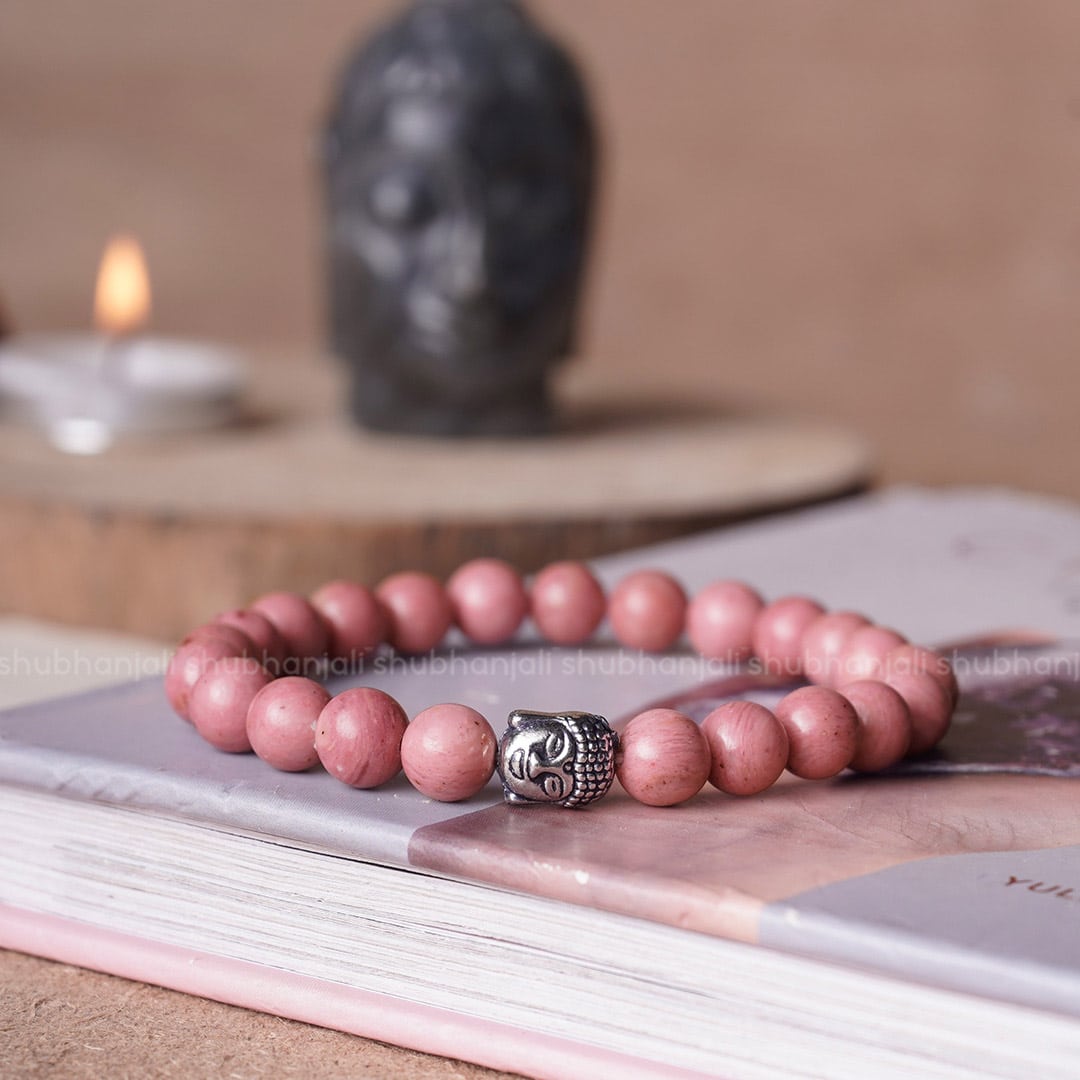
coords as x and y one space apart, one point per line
197 652
884 724
296 621
824 642
269 646
237 640
567 603
418 608
908 659
358 737
448 752
281 722
220 701
778 634
749 747
663 758
720 621
822 730
928 703
647 610
489 600
865 652
356 620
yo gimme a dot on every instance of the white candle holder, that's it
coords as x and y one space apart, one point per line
85 392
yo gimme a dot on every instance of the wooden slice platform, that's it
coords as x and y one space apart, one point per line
156 537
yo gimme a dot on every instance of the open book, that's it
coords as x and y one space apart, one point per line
926 921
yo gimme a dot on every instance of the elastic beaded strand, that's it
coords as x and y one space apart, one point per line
873 697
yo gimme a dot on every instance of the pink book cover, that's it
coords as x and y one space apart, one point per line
961 870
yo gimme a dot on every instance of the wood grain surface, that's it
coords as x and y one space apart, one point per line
156 538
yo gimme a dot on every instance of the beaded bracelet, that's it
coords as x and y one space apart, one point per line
873 698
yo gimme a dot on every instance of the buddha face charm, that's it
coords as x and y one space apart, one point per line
566 758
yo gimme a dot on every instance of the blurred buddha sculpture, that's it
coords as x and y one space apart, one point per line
459 169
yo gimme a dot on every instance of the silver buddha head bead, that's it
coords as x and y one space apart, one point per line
567 758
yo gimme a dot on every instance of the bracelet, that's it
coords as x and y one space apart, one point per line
873 697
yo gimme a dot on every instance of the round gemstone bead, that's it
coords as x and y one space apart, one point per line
306 634
663 758
281 722
908 659
356 620
824 641
220 701
195 654
567 603
863 656
749 747
822 729
720 621
884 724
240 642
448 752
358 737
269 646
489 600
778 634
418 608
928 703
647 610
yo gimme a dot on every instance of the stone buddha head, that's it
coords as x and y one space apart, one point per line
459 172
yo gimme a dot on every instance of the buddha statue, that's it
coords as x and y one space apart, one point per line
459 162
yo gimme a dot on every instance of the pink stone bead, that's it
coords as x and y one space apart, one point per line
778 634
356 620
358 737
929 705
192 658
281 722
822 729
220 701
269 646
865 652
240 643
906 659
824 641
884 724
663 758
720 621
448 752
567 603
418 608
489 600
647 610
749 747
302 627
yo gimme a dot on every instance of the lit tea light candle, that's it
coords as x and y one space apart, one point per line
87 391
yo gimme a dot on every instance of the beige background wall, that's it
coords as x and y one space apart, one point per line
859 210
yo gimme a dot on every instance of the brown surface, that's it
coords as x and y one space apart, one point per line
864 213
861 212
61 1021
300 498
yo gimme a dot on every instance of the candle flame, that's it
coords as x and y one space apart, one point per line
122 296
